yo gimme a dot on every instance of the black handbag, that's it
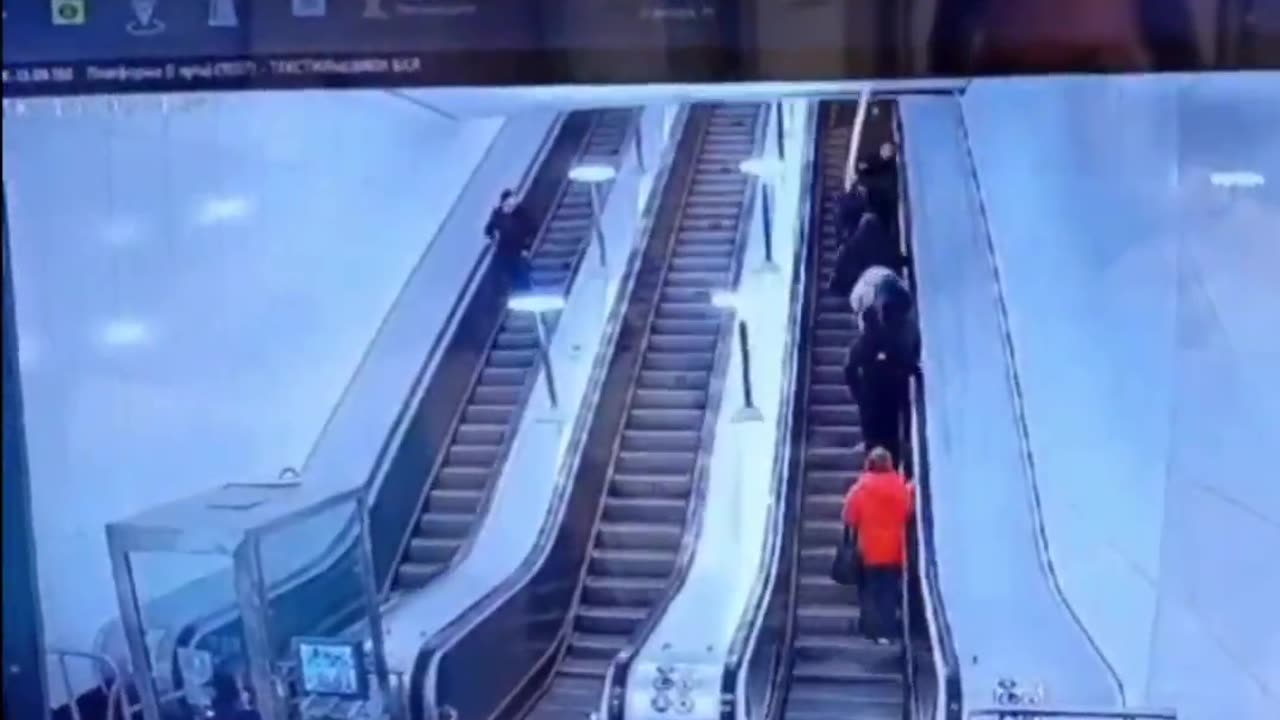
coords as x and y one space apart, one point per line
846 569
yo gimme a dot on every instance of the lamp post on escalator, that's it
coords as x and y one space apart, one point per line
539 305
746 422
767 171
729 300
594 175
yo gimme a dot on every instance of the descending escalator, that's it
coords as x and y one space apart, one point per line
835 673
458 491
666 418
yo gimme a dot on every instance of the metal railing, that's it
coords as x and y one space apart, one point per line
921 555
859 121
111 682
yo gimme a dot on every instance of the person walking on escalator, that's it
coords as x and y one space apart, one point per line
880 175
850 206
869 246
883 357
877 510
511 232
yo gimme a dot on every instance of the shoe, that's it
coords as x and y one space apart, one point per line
882 641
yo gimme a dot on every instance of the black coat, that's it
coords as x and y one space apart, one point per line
870 245
881 180
512 232
849 210
883 356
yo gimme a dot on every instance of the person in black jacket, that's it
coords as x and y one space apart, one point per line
880 175
511 231
850 207
881 362
870 245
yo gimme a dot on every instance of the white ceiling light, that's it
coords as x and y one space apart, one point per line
1237 179
217 210
539 303
760 167
592 173
726 299
124 332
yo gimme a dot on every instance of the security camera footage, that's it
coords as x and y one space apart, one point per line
56 47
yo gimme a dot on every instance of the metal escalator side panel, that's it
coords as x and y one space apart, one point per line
458 490
652 475
751 671
924 590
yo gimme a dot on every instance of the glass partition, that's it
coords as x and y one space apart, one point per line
256 544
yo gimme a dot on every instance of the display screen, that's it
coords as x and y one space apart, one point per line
328 667
82 46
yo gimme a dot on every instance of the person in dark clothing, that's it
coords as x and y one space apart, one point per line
880 175
511 232
880 364
850 207
870 245
227 701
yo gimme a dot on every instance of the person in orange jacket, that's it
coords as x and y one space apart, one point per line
877 509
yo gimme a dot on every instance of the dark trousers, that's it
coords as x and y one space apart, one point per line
881 423
514 269
880 599
880 409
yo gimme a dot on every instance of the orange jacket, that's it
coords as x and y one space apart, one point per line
879 505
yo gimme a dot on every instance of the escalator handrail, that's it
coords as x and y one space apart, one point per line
926 564
620 667
1018 401
342 539
504 449
747 632
423 673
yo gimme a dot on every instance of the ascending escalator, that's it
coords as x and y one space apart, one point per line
835 672
668 417
483 425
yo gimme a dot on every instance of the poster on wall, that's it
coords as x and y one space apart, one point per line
62 47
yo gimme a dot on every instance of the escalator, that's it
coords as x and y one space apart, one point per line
457 492
436 468
835 672
663 427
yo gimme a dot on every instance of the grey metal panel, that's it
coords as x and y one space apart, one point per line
1001 604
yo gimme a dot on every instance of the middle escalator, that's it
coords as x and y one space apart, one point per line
668 417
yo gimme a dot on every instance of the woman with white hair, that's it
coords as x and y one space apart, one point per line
884 355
